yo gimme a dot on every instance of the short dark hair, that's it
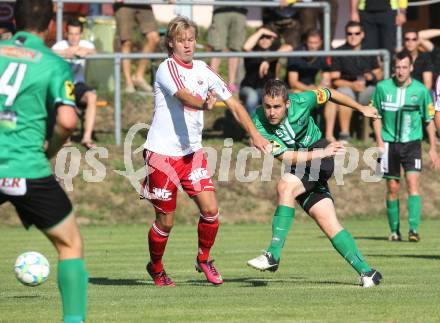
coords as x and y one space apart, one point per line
313 33
402 55
34 15
408 30
74 22
274 88
353 23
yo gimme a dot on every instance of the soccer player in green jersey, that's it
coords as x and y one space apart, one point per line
405 104
285 120
35 87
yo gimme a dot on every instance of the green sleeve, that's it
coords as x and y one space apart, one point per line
61 88
278 146
427 107
317 98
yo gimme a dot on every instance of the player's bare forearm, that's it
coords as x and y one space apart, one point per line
187 99
64 127
291 157
340 98
437 121
377 126
430 130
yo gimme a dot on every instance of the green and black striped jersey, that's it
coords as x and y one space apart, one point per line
403 110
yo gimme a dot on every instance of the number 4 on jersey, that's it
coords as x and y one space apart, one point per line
11 90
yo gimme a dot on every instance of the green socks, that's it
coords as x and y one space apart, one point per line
393 214
72 282
281 224
344 243
414 211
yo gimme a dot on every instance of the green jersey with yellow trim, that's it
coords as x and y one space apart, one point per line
298 129
402 110
33 81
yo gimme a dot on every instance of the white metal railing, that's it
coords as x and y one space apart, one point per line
323 5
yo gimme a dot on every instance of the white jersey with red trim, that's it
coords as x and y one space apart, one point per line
176 130
437 94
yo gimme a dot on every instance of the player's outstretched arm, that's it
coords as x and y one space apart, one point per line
342 99
291 157
64 126
240 114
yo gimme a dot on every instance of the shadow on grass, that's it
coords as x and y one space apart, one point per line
249 282
117 282
372 238
263 282
425 257
24 296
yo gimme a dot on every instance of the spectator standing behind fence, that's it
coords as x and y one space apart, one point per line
127 16
74 49
309 17
227 33
423 68
284 21
258 70
354 76
379 20
306 73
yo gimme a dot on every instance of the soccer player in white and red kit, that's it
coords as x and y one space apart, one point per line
173 150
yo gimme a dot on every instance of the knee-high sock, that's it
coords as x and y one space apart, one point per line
157 241
281 224
344 243
393 215
72 282
207 231
414 212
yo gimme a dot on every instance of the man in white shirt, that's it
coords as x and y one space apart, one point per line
173 150
74 49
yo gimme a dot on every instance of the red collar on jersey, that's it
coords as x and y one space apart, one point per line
178 61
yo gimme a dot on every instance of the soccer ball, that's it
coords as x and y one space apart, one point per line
31 268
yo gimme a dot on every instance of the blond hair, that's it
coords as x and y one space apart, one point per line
175 28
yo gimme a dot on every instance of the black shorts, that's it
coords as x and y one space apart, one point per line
43 204
80 90
314 176
408 154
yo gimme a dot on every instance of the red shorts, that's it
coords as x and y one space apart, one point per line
166 173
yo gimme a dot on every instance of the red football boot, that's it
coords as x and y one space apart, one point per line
212 275
161 278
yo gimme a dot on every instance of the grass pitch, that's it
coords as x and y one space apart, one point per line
313 284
